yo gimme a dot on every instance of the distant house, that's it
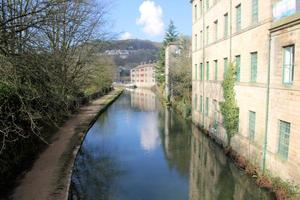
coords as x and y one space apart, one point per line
122 53
143 75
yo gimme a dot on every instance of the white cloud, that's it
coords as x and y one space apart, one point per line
126 36
151 18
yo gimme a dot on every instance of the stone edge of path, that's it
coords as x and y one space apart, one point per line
75 149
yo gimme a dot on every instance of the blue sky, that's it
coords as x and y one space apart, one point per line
148 19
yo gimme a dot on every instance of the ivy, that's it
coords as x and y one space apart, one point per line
229 108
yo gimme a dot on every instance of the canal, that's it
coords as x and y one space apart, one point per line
139 150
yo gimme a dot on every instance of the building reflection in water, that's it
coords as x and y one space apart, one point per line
213 176
175 136
143 99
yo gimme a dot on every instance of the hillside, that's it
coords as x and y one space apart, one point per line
130 53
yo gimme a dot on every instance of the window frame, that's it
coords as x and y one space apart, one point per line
215 121
253 76
196 42
216 24
207 106
195 102
207 4
225 65
292 66
201 72
238 18
226 22
251 125
207 70
283 148
201 103
254 11
195 12
216 70
207 35
196 72
238 67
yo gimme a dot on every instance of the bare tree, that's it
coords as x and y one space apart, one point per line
44 60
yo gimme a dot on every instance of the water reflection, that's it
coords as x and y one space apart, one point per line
150 134
94 172
213 176
143 99
176 141
141 150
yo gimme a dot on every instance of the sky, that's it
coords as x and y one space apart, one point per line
148 19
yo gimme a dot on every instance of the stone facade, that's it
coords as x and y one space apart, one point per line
143 75
245 34
172 49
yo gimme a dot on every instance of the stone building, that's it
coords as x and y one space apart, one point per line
171 51
261 38
143 75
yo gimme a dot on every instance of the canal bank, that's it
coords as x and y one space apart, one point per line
50 175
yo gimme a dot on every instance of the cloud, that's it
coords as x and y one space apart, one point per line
126 36
151 18
149 133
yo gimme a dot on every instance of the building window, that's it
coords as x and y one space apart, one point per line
226 25
216 30
201 103
225 66
207 35
216 70
201 72
215 123
200 42
195 102
196 42
200 5
207 71
207 4
253 67
207 106
238 67
254 11
238 17
251 130
288 64
195 12
284 139
196 72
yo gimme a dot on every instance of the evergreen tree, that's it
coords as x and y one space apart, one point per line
171 35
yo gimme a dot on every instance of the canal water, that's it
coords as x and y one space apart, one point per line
139 150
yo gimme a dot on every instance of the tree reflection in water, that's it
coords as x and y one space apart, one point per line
94 172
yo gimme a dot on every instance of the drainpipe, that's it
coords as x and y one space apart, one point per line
230 32
267 109
203 60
